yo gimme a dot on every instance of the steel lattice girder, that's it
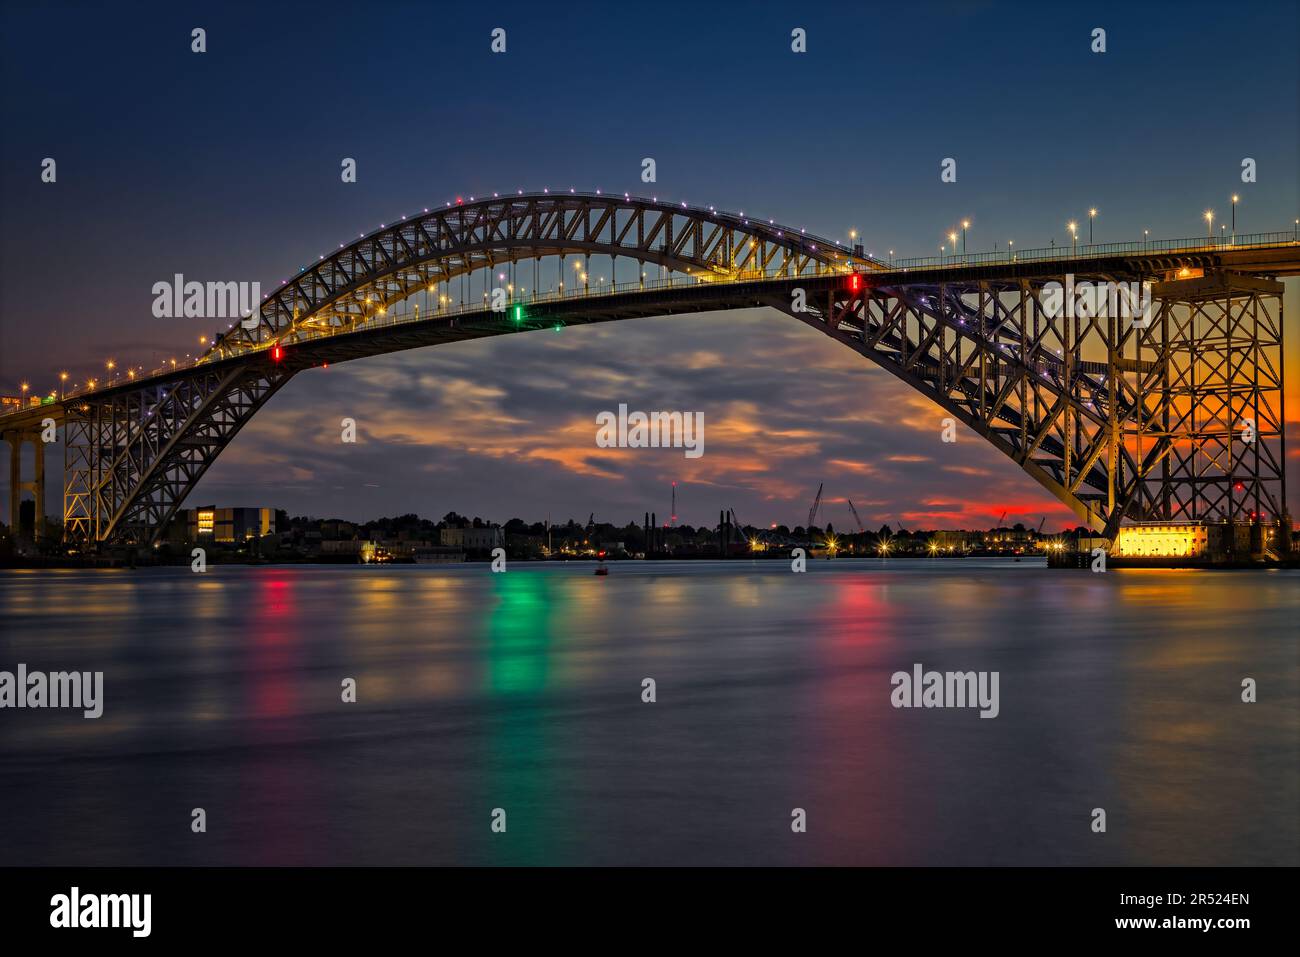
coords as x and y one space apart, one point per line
349 286
133 456
1095 408
79 528
1223 336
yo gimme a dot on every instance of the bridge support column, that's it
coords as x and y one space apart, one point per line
36 485
1216 353
81 472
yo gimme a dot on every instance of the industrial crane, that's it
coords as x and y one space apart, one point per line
812 512
855 516
735 523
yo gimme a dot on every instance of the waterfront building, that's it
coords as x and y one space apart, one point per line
473 538
229 525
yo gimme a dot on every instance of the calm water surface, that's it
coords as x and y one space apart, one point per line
522 691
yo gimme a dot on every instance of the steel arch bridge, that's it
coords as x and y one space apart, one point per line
1119 422
361 280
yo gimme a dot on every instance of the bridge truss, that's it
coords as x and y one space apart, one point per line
357 284
131 457
1120 421
1175 418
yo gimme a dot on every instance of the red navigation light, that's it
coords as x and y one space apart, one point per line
855 282
1238 487
276 353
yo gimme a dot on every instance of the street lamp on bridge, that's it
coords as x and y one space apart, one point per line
1073 227
1092 214
1209 224
1234 217
965 225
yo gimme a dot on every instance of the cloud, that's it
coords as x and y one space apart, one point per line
506 427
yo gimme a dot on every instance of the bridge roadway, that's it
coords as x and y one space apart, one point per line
1272 254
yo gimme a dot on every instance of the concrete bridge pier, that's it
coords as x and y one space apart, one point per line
36 485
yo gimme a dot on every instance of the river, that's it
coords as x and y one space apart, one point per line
518 698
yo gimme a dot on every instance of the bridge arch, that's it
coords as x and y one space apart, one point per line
357 283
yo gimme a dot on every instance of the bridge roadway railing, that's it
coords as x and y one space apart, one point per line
1098 251
1153 247
397 317
1000 257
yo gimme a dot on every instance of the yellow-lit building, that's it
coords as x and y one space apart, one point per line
1213 541
1184 540
231 525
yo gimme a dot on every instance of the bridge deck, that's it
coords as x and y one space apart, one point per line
1275 254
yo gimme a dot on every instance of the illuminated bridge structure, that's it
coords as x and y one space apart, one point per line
1175 418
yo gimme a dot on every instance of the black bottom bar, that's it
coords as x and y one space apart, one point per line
331 906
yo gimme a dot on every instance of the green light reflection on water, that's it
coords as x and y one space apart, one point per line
519 642
519 633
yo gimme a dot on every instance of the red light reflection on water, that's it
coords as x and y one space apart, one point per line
855 762
273 649
272 787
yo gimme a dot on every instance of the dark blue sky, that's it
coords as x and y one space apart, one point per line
226 165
